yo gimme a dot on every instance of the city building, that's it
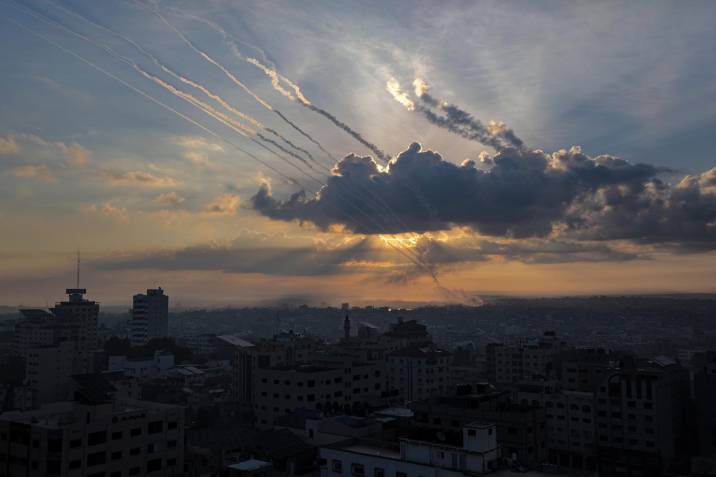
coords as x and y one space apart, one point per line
149 317
95 435
419 372
81 315
511 363
331 386
520 426
476 452
642 418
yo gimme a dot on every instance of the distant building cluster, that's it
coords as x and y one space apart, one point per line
144 396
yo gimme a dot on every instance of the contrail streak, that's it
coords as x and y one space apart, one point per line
152 99
455 120
207 109
213 113
185 80
416 261
275 78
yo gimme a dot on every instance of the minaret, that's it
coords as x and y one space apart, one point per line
346 328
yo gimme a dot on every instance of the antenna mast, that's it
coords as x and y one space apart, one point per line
78 269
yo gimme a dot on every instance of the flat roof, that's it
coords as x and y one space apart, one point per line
251 464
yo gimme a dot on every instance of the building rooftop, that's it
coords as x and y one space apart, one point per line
249 465
236 340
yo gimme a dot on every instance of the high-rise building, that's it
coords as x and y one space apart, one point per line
150 317
81 315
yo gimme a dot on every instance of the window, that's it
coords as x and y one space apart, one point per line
134 451
401 474
378 472
172 425
357 470
337 466
116 455
155 427
171 462
96 458
134 471
95 438
172 443
154 465
75 443
116 435
75 464
137 431
471 432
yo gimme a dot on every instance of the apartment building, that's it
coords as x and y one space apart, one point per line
520 426
511 363
149 316
419 372
641 418
328 386
92 437
475 452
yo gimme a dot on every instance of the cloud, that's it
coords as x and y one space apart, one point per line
196 149
41 173
225 204
170 199
234 257
8 146
137 179
514 193
108 209
76 153
683 215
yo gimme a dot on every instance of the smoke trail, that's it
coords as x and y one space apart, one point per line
191 83
455 120
275 78
152 99
224 119
290 153
304 134
296 147
174 111
206 108
463 123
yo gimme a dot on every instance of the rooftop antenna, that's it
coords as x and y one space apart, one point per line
78 269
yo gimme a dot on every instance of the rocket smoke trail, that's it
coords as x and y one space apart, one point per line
276 78
405 253
222 68
152 99
455 120
184 79
227 122
206 108
234 48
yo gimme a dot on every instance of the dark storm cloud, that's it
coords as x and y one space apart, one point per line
683 215
515 193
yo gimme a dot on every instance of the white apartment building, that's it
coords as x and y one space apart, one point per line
114 439
324 386
419 372
158 365
150 317
477 454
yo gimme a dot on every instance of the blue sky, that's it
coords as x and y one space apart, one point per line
87 163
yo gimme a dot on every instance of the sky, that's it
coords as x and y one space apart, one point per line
370 152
